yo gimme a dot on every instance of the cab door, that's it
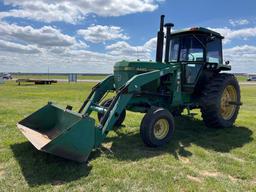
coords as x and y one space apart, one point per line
192 58
190 75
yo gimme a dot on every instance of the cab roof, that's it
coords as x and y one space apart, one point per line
198 30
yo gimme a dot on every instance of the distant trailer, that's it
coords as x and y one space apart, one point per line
36 81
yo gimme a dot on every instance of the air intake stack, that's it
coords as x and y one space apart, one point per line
168 41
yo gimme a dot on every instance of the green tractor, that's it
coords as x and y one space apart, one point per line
189 78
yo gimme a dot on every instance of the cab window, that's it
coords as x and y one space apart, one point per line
174 47
213 48
192 48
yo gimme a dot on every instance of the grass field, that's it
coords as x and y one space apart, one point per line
241 78
197 158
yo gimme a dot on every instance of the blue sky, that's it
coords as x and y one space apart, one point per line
90 36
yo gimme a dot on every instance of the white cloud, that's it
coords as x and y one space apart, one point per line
101 33
82 61
75 11
45 36
128 51
24 48
26 39
151 44
230 34
74 59
29 49
242 58
238 22
18 48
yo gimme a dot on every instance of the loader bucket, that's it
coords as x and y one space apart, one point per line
60 132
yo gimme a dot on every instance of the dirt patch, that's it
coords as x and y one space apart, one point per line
238 159
196 179
232 178
107 147
2 172
218 174
3 149
184 160
210 174
58 182
253 182
233 157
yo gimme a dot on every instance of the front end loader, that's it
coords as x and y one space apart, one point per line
189 77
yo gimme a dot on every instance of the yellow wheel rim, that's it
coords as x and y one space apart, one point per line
161 128
227 110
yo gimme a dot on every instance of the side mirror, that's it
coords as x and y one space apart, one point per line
227 62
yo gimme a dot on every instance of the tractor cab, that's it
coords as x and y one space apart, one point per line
197 50
196 45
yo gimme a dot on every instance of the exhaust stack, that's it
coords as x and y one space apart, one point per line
160 41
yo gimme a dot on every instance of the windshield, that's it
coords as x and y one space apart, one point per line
191 49
187 48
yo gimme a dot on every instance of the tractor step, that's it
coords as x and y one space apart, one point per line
188 107
192 114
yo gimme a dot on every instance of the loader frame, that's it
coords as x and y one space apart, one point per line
123 99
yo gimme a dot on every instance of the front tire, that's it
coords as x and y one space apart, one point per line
157 127
220 102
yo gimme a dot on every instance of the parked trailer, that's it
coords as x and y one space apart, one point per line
36 81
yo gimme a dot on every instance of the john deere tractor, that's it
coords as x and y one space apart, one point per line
189 77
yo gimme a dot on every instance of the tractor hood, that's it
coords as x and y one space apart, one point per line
124 70
142 66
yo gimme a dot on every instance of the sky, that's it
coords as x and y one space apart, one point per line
89 36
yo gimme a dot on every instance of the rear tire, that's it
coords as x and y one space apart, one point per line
157 127
215 108
121 118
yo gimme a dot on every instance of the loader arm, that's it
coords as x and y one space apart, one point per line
98 91
122 99
126 93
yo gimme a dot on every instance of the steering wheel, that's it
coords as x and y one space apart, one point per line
185 54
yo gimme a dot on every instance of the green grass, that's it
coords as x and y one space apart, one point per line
89 77
197 158
241 78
